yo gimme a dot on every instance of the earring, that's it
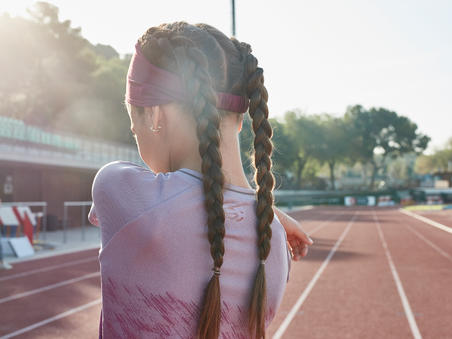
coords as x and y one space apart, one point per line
155 130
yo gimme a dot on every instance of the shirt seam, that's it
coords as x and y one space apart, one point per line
227 188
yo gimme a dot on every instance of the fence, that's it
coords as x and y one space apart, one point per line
64 237
83 205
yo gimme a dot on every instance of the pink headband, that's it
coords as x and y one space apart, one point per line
149 85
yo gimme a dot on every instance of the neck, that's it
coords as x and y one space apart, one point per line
232 164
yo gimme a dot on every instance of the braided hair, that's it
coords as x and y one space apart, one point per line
246 78
208 61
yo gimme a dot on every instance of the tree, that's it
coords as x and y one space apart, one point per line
44 68
379 133
439 161
333 144
52 77
284 153
304 133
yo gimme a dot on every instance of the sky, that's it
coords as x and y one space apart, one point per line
318 56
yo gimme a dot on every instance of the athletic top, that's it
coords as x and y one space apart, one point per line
155 257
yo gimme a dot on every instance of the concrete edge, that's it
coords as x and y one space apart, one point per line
51 253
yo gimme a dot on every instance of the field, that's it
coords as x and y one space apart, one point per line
371 273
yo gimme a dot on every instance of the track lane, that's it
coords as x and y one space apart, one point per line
355 297
42 280
303 271
355 286
25 311
58 259
425 273
442 216
73 323
437 239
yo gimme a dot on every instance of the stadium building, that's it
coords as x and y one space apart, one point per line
38 165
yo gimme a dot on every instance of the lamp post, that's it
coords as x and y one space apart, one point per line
233 17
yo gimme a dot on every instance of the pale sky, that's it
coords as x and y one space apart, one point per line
319 56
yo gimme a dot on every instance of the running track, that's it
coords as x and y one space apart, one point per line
371 273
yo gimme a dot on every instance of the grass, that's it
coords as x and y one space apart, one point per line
425 207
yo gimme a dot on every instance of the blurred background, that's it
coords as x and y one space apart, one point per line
359 92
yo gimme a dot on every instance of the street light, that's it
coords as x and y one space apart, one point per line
233 17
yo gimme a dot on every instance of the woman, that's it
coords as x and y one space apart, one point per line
189 249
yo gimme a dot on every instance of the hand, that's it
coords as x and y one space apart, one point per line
298 240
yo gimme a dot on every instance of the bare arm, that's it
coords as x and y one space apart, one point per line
297 238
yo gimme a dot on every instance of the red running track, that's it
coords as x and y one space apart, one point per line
371 273
442 216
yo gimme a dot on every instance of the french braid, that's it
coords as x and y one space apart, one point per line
208 124
245 78
264 179
251 82
193 67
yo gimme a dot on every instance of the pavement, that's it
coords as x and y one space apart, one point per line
53 243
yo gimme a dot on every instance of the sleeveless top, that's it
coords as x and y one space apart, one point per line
155 257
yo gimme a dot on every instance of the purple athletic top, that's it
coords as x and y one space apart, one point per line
155 258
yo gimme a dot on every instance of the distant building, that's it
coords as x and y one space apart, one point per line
38 165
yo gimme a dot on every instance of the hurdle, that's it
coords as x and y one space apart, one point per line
24 210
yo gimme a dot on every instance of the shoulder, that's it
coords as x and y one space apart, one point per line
120 190
117 183
119 173
126 188
119 169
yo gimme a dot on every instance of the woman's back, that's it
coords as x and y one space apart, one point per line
155 258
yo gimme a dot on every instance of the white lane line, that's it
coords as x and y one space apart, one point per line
53 253
286 322
427 221
326 222
439 250
48 287
49 320
48 268
395 275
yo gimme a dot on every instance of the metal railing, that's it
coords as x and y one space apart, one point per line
43 215
21 142
83 205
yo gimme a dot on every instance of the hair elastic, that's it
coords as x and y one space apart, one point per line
216 270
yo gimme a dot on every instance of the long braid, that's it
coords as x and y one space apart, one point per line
193 66
264 179
208 119
246 78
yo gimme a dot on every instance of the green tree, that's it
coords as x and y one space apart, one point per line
439 161
332 145
284 153
304 134
382 132
45 68
53 77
